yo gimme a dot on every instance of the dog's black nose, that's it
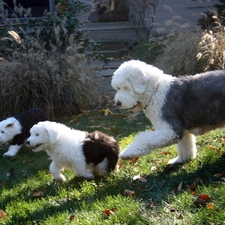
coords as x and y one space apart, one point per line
118 103
28 143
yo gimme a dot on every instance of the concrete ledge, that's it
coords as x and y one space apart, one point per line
107 26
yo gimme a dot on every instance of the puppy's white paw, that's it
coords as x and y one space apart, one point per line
60 177
85 175
12 151
88 176
9 154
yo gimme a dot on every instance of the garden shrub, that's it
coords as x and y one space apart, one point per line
44 64
179 55
187 49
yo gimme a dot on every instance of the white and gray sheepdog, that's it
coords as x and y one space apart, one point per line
178 107
84 153
16 129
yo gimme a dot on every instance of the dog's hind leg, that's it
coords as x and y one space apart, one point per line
186 149
13 149
56 171
80 171
102 167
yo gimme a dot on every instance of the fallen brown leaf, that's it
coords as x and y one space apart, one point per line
192 187
109 211
180 216
38 193
133 161
151 203
120 165
219 174
2 214
130 193
168 167
212 147
106 111
205 197
209 206
165 153
71 217
75 118
202 200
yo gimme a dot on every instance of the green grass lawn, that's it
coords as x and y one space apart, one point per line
191 193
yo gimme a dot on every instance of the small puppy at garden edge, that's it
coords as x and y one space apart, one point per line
178 107
84 153
16 129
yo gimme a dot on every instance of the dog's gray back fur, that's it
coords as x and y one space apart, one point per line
196 102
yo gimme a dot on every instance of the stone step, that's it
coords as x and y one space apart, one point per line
108 73
105 70
111 64
96 26
113 39
114 53
109 31
111 45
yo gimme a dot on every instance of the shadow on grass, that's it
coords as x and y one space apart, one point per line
76 194
158 186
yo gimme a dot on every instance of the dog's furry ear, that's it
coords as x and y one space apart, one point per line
53 135
138 83
10 125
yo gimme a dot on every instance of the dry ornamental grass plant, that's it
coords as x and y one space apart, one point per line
189 50
212 47
54 75
179 56
59 83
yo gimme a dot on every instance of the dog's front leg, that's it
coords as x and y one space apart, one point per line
147 141
56 171
13 149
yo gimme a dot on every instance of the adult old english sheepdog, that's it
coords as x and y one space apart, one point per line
16 129
178 107
84 153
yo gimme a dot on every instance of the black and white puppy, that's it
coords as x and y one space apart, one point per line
178 107
16 129
83 153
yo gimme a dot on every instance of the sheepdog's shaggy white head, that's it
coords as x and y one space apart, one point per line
135 82
8 129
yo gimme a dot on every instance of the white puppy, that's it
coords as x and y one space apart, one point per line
178 107
84 153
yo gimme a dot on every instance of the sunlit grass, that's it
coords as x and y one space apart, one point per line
163 195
